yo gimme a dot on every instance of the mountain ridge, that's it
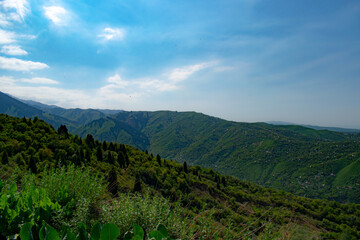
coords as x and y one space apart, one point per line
297 159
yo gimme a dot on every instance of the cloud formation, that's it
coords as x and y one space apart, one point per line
112 34
118 89
13 10
39 80
180 74
58 15
13 50
20 65
7 37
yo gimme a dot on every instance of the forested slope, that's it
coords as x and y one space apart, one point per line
301 160
225 205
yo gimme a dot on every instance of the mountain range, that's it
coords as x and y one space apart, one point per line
298 159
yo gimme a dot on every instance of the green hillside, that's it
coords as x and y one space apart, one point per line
297 159
16 108
209 204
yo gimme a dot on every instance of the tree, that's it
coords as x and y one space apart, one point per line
185 167
5 158
62 130
110 158
158 158
90 141
99 153
32 164
137 185
113 186
121 159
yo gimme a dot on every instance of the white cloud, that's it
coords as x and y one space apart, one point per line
15 10
115 93
116 79
13 50
7 37
112 34
20 65
58 15
39 80
180 74
119 88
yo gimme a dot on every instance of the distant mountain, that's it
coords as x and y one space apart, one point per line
76 115
16 108
301 160
334 129
37 104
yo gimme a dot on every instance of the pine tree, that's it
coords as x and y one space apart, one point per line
113 186
99 154
121 159
5 158
62 130
110 158
185 167
32 165
137 185
90 141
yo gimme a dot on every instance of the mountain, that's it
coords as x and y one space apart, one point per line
301 160
334 129
212 203
76 115
304 161
16 108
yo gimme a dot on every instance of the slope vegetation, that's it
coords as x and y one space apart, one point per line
215 204
301 160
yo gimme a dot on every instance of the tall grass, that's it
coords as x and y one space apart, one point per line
80 182
146 211
78 190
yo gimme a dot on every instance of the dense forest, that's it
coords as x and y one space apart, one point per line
304 161
53 181
307 162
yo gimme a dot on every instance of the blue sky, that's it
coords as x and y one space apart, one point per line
242 60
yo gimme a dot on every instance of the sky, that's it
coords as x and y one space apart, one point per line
240 60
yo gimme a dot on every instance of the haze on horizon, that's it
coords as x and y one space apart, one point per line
242 60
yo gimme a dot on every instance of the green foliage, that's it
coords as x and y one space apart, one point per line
29 205
297 159
199 203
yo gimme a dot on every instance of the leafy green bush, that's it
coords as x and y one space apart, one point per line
78 190
98 232
28 205
145 211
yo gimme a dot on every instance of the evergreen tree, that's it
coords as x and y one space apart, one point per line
121 159
110 158
104 146
185 167
62 130
90 141
111 147
32 164
113 186
99 153
223 180
158 160
5 158
137 185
